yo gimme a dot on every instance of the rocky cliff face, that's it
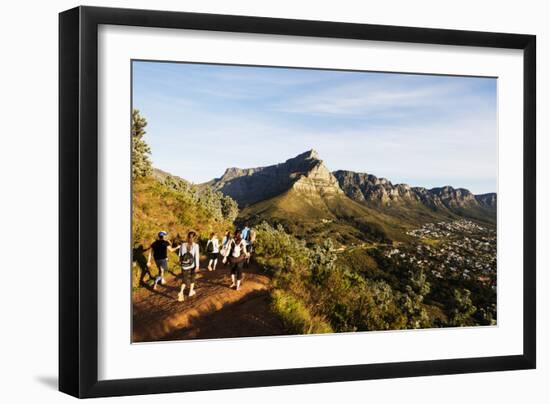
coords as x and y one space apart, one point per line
487 200
369 189
305 173
318 180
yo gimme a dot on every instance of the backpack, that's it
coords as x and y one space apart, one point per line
209 246
187 259
242 255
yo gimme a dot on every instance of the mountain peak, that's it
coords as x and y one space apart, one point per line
304 172
307 155
312 154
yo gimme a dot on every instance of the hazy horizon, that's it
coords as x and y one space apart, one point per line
422 130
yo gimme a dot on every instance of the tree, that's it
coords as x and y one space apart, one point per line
141 165
230 209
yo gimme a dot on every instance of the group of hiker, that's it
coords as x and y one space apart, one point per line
234 251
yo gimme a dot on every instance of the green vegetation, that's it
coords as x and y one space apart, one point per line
219 206
159 207
315 218
316 290
296 317
463 308
141 165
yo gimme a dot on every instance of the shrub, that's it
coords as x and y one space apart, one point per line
295 315
277 251
462 308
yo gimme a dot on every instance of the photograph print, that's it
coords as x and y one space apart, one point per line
270 201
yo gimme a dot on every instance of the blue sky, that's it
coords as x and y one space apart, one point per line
417 129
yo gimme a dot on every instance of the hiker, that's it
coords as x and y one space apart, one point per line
225 246
159 251
245 233
138 258
237 256
213 250
250 245
189 262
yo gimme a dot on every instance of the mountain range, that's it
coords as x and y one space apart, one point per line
310 200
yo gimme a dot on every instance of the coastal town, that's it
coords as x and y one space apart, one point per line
452 250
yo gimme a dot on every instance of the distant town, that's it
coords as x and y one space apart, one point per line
457 249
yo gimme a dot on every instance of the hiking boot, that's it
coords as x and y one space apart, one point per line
180 297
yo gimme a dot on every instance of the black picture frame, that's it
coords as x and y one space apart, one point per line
78 201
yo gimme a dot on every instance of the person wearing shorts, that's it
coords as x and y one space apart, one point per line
237 257
159 251
213 250
189 261
188 278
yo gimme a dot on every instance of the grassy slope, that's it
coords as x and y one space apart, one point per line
314 216
157 207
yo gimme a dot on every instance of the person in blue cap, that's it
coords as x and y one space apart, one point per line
159 251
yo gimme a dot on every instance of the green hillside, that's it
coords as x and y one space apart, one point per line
158 207
315 217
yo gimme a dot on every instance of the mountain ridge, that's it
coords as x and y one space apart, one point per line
308 173
368 188
314 202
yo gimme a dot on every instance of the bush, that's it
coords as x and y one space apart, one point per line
295 315
278 251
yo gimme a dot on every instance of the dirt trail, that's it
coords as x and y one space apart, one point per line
216 311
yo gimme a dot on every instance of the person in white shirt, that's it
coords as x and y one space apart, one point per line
237 256
189 262
213 250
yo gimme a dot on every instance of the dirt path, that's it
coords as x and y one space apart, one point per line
216 311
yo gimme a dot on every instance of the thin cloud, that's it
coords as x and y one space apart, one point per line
422 130
389 98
